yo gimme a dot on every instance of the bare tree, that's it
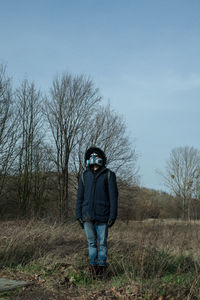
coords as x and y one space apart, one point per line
41 177
68 110
107 130
8 127
182 175
28 101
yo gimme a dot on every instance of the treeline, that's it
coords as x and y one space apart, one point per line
142 203
43 139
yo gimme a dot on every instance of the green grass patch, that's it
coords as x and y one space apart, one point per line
9 294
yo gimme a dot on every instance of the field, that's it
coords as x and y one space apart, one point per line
153 259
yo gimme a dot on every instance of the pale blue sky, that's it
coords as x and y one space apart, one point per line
142 54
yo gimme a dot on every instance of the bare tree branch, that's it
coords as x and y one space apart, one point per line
182 175
67 111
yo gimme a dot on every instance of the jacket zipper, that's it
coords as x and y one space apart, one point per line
95 179
94 196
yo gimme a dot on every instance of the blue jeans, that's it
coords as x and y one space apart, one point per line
97 234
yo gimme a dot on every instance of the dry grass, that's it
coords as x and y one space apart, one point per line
148 259
174 237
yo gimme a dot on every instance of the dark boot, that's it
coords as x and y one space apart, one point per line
93 271
101 272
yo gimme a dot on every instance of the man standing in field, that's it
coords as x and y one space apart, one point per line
96 207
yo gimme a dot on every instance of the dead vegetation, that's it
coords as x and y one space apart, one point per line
147 260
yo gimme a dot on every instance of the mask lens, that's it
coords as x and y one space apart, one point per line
93 158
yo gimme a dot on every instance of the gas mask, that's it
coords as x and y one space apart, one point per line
94 160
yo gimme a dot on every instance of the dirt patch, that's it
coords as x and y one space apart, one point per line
38 293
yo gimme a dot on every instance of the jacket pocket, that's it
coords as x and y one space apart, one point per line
100 209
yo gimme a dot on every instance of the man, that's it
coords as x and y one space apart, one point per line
96 207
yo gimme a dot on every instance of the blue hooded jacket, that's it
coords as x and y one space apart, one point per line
97 197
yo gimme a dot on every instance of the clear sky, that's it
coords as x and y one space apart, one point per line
143 55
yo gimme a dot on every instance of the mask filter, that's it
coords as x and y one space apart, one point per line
94 160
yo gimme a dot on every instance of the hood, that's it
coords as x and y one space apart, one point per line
95 150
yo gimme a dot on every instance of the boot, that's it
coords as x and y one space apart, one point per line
93 271
101 272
